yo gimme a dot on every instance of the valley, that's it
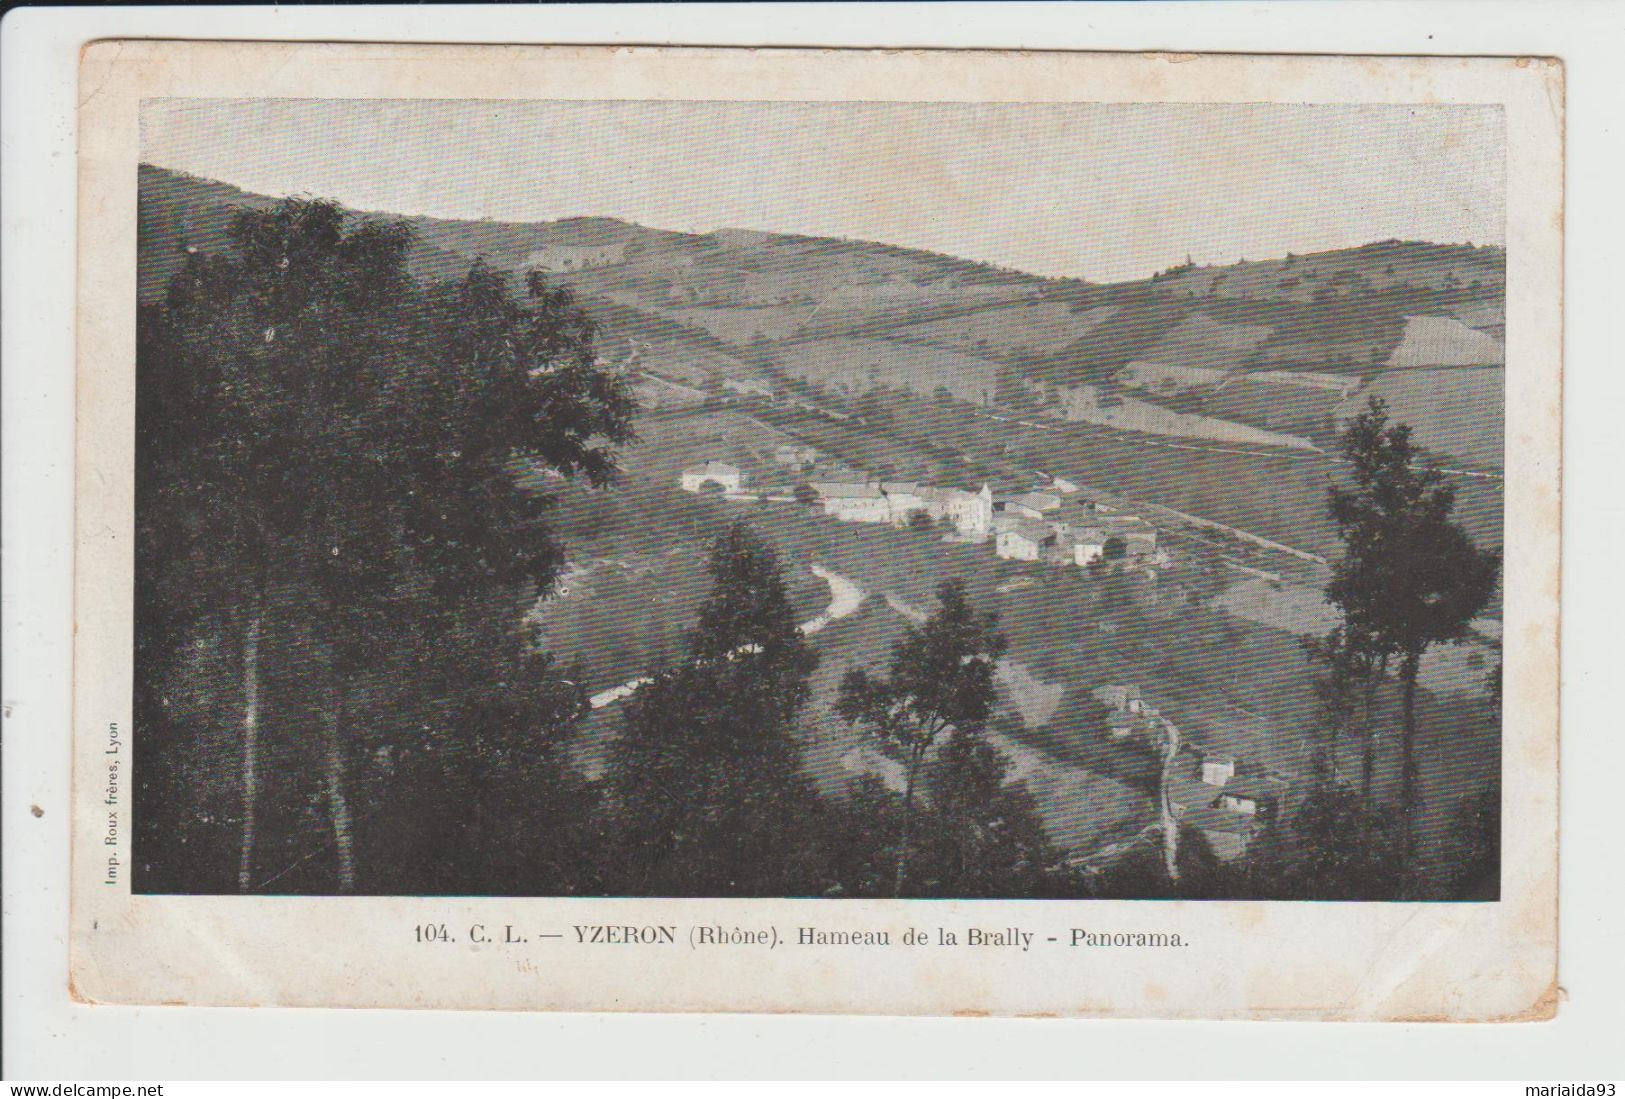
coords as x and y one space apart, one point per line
1206 399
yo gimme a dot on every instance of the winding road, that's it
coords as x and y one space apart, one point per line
845 598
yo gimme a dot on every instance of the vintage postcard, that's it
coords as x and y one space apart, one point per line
818 531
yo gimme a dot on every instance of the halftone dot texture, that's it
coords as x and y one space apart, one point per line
1099 191
1205 399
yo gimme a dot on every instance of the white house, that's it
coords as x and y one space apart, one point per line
854 503
718 473
1217 770
1024 542
1252 794
971 512
1137 537
904 498
1087 549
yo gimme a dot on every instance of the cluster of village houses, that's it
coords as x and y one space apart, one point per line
1209 792
1047 524
1205 791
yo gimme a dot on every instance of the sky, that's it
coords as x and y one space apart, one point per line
1099 191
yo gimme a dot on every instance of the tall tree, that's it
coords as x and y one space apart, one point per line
940 678
982 837
344 448
1341 849
1409 577
1474 846
1353 668
706 774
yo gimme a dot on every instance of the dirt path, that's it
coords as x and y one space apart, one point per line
845 598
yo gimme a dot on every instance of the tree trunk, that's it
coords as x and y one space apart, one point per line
1408 792
1368 728
251 721
338 804
1368 745
908 823
1170 824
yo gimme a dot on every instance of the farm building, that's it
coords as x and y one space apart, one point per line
1030 505
1087 548
1195 803
697 477
1136 537
1217 770
1226 807
1025 541
971 512
904 498
859 502
1253 794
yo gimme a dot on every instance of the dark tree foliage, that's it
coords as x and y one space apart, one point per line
940 678
327 500
1333 847
1142 873
1474 847
706 778
1409 577
979 835
1340 848
1352 667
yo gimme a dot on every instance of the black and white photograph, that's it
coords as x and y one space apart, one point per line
819 500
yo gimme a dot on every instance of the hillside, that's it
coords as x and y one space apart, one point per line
1271 353
1202 398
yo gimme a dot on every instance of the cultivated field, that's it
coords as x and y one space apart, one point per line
1456 412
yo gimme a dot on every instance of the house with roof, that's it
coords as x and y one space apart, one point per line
1129 714
729 477
1253 794
905 498
1024 540
1206 793
1088 546
1194 803
1029 505
970 512
853 502
1137 537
